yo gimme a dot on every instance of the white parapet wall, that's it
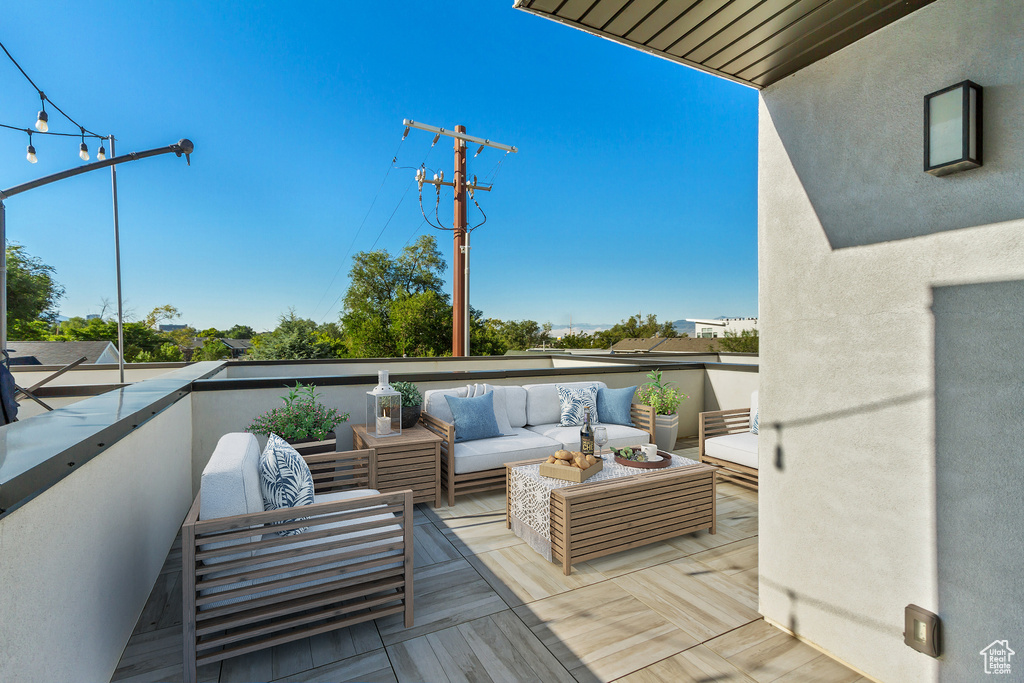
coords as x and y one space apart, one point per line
78 562
856 240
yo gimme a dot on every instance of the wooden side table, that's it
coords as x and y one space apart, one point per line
410 460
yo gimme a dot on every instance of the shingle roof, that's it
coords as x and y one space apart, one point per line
683 344
637 344
57 352
237 343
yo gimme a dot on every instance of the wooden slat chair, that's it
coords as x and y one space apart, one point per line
718 423
246 588
487 480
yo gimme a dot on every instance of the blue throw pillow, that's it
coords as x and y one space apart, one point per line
613 405
285 479
757 416
473 417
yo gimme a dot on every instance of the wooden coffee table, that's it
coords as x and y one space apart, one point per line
590 520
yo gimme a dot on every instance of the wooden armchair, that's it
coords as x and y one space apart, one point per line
247 588
719 423
486 480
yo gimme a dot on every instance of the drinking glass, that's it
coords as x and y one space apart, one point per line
600 438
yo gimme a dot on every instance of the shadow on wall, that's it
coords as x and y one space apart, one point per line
854 131
979 466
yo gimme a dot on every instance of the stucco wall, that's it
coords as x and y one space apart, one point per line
853 236
78 562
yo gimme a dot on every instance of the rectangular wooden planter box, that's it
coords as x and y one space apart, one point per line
570 473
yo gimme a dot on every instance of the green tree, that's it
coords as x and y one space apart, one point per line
518 335
32 293
165 353
634 327
212 348
380 286
746 341
161 314
239 332
294 339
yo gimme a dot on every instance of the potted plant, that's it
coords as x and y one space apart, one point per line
412 403
301 421
665 399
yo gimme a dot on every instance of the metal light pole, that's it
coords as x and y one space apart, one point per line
183 146
117 265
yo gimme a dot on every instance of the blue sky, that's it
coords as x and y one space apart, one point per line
634 188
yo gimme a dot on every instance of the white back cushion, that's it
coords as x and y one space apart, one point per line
753 408
231 480
231 486
515 406
435 404
542 405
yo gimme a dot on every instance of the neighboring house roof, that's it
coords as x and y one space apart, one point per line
686 345
242 344
61 352
637 344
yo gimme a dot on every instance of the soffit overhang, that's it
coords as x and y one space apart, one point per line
754 42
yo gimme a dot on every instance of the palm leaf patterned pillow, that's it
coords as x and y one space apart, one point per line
285 480
574 401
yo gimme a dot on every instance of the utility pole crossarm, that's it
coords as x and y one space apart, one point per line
409 123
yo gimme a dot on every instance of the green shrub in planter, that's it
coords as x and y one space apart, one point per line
301 417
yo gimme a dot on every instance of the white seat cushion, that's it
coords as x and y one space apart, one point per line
619 436
738 448
542 404
302 542
488 454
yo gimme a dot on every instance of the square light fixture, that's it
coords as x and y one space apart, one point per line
952 129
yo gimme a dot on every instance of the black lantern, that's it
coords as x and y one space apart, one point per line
952 129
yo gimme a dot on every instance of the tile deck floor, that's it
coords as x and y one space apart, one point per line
488 608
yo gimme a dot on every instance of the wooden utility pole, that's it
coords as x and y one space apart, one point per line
460 295
460 228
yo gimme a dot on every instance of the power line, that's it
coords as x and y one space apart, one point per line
43 98
341 263
388 222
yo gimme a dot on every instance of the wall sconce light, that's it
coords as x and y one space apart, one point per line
922 630
952 129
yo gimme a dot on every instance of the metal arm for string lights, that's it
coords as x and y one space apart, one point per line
183 146
460 184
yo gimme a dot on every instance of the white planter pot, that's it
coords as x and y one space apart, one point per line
666 431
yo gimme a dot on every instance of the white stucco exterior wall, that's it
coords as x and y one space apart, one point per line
854 237
78 562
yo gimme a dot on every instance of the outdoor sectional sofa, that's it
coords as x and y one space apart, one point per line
727 439
533 413
246 587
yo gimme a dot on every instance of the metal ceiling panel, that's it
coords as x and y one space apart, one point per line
630 15
755 42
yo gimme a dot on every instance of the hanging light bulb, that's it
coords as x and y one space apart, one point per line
83 150
31 156
101 154
41 119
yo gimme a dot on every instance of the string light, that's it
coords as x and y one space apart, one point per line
42 118
31 156
42 124
83 149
